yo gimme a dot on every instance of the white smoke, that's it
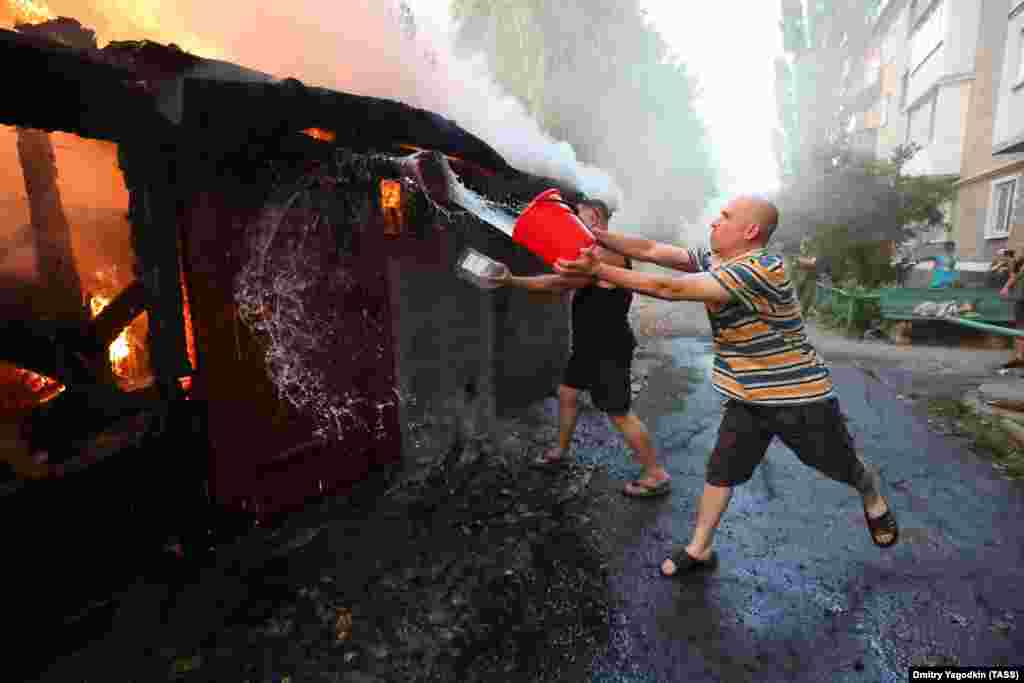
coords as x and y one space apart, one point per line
356 46
463 90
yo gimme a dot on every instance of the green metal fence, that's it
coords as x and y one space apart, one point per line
845 305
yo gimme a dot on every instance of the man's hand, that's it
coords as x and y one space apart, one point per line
1005 292
585 264
502 278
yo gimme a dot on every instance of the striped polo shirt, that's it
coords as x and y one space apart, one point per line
762 355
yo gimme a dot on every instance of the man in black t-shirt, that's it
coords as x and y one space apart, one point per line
602 355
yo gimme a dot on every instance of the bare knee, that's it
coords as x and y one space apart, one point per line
623 420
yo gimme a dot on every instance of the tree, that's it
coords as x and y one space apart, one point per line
595 74
817 39
858 208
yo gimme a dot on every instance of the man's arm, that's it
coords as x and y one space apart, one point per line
647 250
548 283
1014 274
691 287
808 262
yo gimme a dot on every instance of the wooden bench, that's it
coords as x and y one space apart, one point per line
993 311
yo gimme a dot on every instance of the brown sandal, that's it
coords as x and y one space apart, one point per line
543 462
881 526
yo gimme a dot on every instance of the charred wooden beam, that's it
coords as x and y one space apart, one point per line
53 350
228 115
84 94
118 314
150 173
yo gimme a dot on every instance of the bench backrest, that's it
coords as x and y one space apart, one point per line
898 303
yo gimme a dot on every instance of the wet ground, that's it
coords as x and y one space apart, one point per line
492 571
802 594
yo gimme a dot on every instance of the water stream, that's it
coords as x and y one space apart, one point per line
501 216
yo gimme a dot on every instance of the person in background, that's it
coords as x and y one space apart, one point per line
903 264
602 354
945 271
1012 289
1000 268
772 380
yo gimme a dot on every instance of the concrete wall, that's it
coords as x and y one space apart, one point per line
1009 126
943 154
894 58
980 169
946 76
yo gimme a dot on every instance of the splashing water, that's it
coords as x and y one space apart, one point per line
292 299
501 216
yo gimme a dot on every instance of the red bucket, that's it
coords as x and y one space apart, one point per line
550 229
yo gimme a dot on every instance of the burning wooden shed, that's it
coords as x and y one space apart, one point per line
263 265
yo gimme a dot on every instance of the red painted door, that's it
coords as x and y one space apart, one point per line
295 351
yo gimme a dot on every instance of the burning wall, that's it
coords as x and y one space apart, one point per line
92 197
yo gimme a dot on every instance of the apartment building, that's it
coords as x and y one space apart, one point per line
994 178
949 75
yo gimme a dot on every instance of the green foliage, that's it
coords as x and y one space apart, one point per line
988 435
873 201
853 262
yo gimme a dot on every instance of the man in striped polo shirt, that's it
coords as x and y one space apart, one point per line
772 380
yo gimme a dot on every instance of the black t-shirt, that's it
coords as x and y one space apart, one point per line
600 320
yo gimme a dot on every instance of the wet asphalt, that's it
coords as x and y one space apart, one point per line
801 593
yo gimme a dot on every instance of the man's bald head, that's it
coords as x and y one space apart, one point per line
745 223
761 212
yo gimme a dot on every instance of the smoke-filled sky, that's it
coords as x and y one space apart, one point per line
731 45
354 45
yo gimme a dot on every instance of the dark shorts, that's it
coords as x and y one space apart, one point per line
1018 313
815 432
606 376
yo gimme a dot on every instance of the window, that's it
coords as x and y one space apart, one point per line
918 9
921 122
1000 211
927 36
1020 57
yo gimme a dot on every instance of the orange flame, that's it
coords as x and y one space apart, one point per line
321 134
28 12
120 349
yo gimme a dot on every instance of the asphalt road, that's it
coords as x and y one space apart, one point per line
801 593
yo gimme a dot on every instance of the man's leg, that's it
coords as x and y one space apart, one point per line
612 394
818 435
639 440
713 503
1017 360
575 379
742 442
568 411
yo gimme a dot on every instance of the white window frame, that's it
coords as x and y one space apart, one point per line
1020 59
929 14
931 101
992 231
